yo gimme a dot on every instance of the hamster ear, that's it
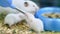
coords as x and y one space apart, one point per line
26 4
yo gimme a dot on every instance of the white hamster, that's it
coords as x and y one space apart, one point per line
34 23
11 19
28 6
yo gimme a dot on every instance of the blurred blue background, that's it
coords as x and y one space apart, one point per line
47 3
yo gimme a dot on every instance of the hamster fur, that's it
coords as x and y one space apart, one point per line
34 23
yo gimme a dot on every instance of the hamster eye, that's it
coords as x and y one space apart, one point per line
26 4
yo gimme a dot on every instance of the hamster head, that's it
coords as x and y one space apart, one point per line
30 7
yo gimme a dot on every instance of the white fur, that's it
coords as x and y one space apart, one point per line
34 23
30 9
11 19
